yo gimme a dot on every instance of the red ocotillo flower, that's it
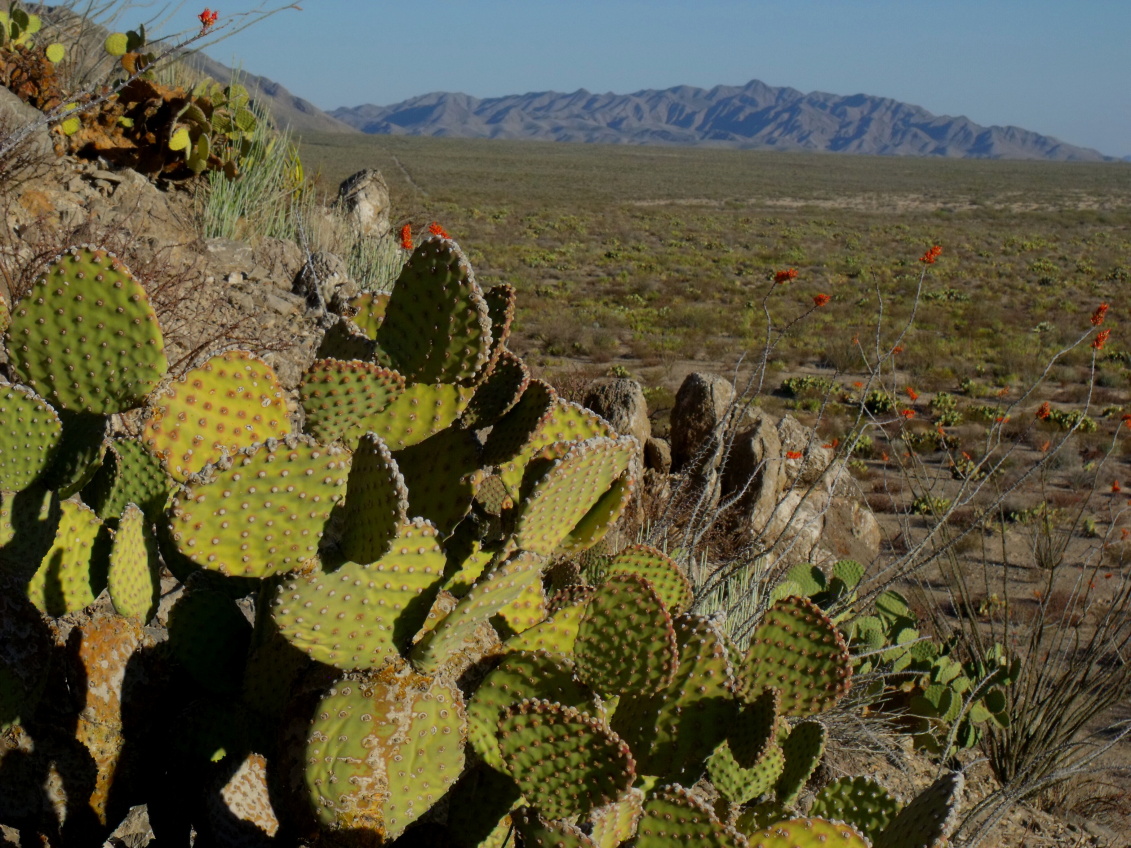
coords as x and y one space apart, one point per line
1098 315
1044 411
907 413
1101 339
931 255
207 18
793 454
820 299
786 275
911 393
406 237
436 230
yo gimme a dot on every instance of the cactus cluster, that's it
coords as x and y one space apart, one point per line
360 639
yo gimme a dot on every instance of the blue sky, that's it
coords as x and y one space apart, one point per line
1055 67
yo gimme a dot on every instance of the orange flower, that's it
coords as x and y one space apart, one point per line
858 385
820 299
406 237
436 230
907 413
1101 339
1124 532
856 340
897 349
940 431
931 255
1098 315
793 454
207 19
1046 446
1044 411
911 393
884 456
786 275
1126 419
1115 487
1001 419
967 457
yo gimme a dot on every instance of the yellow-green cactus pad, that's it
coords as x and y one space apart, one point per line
80 453
803 749
438 473
369 312
262 512
557 634
512 440
27 530
673 816
85 337
739 784
537 832
345 341
376 505
71 574
341 398
558 493
436 327
501 303
928 819
498 393
129 474
798 650
360 614
232 401
616 823
420 411
521 675
134 576
525 611
665 575
596 523
31 434
626 641
493 591
382 749
565 762
859 801
808 833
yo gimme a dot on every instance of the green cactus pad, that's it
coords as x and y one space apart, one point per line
210 637
5 314
739 784
513 439
491 494
420 411
341 398
537 832
498 394
25 655
928 819
129 474
798 650
673 731
803 749
273 668
608 509
556 499
666 577
232 401
71 574
756 817
807 833
557 634
28 521
525 611
369 312
382 749
80 453
501 304
858 801
673 816
134 575
85 337
263 512
345 341
376 503
493 591
564 761
626 641
615 823
756 729
436 326
519 676
32 431
361 614
438 475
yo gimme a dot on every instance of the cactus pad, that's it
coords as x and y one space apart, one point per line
86 337
369 311
376 502
345 341
382 749
240 811
601 517
79 454
673 816
134 575
557 634
808 833
32 431
129 474
262 513
25 652
803 749
616 823
859 801
626 641
340 398
666 577
360 614
232 401
70 575
420 411
740 784
438 475
565 762
493 591
928 819
798 650
210 637
537 832
499 392
436 326
519 676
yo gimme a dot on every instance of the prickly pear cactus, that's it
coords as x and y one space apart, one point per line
29 439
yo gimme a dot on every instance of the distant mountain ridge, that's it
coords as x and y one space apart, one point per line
751 116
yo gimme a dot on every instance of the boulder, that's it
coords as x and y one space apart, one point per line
657 455
701 405
325 283
620 401
364 200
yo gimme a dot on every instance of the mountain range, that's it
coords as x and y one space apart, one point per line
754 115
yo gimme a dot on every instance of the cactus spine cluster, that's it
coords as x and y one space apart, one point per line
363 622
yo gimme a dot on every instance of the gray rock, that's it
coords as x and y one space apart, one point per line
364 198
18 118
657 455
620 401
700 407
753 470
318 281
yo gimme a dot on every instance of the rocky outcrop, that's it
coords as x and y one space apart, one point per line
364 200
